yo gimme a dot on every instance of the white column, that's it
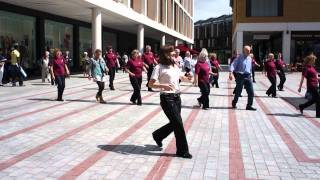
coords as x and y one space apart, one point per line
286 46
96 29
239 41
163 40
129 3
140 38
166 13
144 7
157 10
191 46
176 42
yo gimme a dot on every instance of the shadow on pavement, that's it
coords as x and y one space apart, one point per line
285 115
148 150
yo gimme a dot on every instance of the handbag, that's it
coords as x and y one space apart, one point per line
23 73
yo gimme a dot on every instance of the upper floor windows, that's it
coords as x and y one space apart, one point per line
264 8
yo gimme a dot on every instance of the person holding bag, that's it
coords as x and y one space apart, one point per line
59 71
165 77
99 71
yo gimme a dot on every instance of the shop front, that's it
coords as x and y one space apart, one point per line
304 43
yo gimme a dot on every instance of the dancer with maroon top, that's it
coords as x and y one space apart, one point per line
271 73
281 66
202 73
59 71
215 68
254 65
312 77
111 60
134 68
149 62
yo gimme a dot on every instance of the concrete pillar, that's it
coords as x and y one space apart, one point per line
157 10
163 40
96 29
239 41
286 46
128 3
166 13
144 7
140 38
176 42
190 46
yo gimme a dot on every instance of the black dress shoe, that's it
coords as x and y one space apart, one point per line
251 108
133 102
159 143
186 155
301 109
234 105
274 97
199 102
268 94
205 108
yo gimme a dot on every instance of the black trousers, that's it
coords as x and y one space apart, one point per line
315 99
253 74
215 81
136 84
205 92
60 82
171 105
100 88
283 79
112 74
149 73
273 88
16 74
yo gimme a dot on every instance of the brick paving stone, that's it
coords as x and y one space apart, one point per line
263 151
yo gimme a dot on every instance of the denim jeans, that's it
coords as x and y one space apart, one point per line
171 105
244 80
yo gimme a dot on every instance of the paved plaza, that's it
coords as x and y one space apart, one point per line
81 139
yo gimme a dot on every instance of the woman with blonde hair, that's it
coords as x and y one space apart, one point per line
99 72
202 74
134 68
59 71
310 73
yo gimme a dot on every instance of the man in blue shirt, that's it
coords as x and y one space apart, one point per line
242 66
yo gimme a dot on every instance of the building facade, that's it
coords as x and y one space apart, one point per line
288 26
215 34
82 25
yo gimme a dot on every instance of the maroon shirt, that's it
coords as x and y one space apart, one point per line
111 60
58 65
280 65
148 58
214 65
310 73
135 66
270 67
202 69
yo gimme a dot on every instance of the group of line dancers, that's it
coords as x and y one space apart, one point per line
166 76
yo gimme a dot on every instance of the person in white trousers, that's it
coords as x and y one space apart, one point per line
45 67
2 60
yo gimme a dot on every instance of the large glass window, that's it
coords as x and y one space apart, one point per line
59 35
264 7
15 28
85 40
109 39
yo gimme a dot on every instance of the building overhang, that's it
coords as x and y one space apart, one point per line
114 15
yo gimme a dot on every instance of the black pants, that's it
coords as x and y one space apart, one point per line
16 74
253 74
205 92
283 79
215 81
112 74
136 84
171 105
244 80
273 88
315 99
100 87
149 73
60 81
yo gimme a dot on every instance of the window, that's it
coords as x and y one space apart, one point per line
264 8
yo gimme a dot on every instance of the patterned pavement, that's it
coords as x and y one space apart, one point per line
81 139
